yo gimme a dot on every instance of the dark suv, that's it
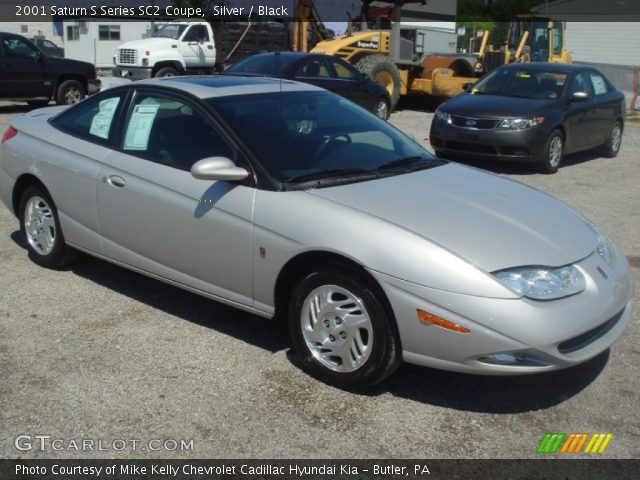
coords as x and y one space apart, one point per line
26 72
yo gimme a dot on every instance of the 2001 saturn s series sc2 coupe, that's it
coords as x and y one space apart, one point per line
291 202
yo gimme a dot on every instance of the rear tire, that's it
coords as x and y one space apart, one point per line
611 148
70 92
342 330
166 72
551 156
381 70
41 229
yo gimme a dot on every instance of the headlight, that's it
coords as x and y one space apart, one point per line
443 116
543 283
521 123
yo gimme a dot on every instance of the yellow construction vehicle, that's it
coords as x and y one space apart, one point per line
397 56
531 38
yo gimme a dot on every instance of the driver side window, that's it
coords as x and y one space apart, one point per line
17 48
170 131
579 84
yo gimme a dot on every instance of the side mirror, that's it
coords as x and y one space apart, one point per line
467 87
218 168
579 96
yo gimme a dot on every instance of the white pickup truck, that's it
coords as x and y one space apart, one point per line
177 48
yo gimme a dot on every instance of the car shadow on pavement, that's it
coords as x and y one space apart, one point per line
515 168
257 331
16 108
492 394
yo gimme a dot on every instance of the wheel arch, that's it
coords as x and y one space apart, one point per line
167 63
71 76
305 262
23 182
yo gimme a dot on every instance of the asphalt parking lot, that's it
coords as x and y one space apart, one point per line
96 352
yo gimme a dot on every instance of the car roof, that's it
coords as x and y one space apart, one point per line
208 86
544 66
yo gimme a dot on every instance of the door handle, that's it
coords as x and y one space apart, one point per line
115 180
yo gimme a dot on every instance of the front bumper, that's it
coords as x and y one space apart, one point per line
557 333
451 141
132 73
93 86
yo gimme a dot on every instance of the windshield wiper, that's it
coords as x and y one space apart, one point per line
407 161
336 172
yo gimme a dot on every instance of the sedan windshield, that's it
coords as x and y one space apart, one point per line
302 137
536 84
170 31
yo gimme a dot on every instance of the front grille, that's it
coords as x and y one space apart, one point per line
127 56
471 147
478 123
587 338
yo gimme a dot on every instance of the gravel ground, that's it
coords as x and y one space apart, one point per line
97 352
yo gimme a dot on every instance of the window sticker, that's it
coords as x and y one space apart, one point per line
137 137
101 123
599 86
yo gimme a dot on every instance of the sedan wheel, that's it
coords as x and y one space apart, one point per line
41 228
612 147
552 154
342 330
381 109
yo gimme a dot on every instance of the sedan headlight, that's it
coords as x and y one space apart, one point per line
543 283
521 123
443 116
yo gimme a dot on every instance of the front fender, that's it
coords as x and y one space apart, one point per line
287 224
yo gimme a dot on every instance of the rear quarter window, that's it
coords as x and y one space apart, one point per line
93 120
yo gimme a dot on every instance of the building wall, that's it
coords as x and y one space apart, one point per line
90 48
33 29
614 43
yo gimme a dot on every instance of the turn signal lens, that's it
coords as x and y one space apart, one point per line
9 134
430 319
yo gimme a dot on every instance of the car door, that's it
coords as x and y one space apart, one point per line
315 70
156 217
196 47
580 114
22 69
348 83
606 104
84 138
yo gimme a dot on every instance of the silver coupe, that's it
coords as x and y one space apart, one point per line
290 202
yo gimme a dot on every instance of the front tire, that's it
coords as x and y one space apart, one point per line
612 147
551 156
342 330
70 92
166 72
41 229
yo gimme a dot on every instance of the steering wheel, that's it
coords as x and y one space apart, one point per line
324 146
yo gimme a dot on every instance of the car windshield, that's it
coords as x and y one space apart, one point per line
170 31
302 137
509 82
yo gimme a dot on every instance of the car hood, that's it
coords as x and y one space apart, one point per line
151 42
499 106
491 222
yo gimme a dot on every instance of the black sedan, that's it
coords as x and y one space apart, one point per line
325 71
534 112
